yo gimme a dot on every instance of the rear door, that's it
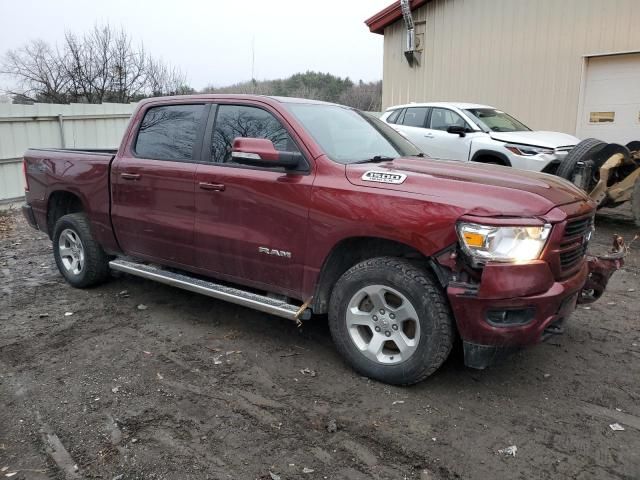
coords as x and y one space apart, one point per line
153 202
411 123
443 145
251 222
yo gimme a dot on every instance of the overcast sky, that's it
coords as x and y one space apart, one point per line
211 40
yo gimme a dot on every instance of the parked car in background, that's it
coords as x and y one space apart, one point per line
478 133
295 207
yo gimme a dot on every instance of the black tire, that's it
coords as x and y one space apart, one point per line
95 265
436 327
635 201
583 151
634 146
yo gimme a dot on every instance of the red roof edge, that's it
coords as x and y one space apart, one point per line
389 15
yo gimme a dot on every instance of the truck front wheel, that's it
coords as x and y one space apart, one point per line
80 259
391 320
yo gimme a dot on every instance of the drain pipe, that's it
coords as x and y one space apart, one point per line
410 48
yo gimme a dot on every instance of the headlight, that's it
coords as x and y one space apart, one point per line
526 150
502 244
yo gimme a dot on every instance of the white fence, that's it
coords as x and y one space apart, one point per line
45 125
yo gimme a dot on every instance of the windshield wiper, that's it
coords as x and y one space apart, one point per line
376 159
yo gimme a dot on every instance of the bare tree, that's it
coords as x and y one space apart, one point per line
101 66
364 96
38 71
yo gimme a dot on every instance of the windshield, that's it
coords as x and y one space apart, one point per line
350 136
494 120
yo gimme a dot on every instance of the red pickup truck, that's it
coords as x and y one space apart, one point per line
296 207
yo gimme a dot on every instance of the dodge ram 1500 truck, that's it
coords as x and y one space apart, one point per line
296 207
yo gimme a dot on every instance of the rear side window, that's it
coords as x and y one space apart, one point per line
393 118
233 121
415 116
169 132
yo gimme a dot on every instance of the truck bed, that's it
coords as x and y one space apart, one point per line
88 151
51 173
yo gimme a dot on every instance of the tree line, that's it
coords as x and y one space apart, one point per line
105 65
316 86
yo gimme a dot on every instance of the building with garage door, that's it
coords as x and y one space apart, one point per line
566 65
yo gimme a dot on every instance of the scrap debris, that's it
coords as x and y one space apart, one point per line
332 426
616 427
309 372
509 451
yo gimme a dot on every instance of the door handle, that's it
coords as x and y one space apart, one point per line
130 176
216 187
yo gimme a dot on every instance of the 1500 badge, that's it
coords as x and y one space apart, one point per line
383 177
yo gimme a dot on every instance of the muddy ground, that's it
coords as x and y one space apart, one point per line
193 388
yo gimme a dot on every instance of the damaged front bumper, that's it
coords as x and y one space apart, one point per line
600 270
515 306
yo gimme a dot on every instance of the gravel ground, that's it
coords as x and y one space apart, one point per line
136 380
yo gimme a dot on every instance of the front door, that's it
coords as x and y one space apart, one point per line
251 222
443 145
153 209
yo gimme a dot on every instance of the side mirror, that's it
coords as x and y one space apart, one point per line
260 152
457 130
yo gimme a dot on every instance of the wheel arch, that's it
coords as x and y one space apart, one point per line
490 156
350 251
60 203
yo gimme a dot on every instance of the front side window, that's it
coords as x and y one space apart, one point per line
415 117
349 136
443 118
169 132
494 120
233 121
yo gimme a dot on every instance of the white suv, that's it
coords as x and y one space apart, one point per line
478 133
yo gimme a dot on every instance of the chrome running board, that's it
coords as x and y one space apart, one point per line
214 290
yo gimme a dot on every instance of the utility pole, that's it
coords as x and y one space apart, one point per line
253 58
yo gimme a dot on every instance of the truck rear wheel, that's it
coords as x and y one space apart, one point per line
391 321
80 259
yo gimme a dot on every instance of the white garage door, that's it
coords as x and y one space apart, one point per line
611 99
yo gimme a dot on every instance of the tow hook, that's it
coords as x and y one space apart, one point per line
601 267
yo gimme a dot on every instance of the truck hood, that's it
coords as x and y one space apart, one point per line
536 139
476 189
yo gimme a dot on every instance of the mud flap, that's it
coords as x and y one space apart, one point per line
601 268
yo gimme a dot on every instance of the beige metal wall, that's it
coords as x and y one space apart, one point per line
44 125
523 56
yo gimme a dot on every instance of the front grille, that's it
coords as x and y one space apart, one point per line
569 259
577 228
575 242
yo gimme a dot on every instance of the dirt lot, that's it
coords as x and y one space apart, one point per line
192 388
